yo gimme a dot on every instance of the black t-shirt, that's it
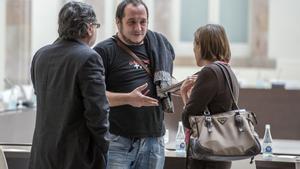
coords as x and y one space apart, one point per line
123 74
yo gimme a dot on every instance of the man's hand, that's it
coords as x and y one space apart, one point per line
138 98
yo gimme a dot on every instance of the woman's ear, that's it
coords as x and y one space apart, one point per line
197 54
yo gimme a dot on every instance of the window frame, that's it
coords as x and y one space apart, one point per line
238 50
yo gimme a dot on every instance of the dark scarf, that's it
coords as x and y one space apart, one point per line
162 55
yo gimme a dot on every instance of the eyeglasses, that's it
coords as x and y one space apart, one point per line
96 24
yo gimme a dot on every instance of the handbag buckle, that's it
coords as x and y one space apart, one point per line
239 122
208 123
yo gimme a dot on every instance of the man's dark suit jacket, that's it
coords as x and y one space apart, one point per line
72 108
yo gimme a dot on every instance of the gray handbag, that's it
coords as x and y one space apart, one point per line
225 136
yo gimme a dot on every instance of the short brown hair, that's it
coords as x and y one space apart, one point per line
121 7
213 43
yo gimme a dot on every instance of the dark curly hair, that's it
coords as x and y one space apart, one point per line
73 20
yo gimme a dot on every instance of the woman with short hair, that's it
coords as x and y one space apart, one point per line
209 89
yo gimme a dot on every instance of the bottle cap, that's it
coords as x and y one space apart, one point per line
268 126
180 122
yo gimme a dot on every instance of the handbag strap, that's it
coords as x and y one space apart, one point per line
133 55
227 76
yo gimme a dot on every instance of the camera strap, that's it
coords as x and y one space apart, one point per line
133 55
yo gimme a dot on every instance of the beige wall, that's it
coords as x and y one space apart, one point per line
44 22
283 36
283 47
2 42
285 29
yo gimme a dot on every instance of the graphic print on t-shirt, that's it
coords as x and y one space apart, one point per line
136 65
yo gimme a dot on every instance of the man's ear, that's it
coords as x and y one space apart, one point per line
90 30
118 23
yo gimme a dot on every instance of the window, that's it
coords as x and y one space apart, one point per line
232 14
234 18
193 14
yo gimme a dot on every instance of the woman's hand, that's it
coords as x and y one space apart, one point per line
187 87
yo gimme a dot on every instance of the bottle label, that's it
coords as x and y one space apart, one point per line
268 149
182 146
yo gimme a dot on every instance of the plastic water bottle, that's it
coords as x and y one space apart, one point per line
13 99
267 147
180 138
166 136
